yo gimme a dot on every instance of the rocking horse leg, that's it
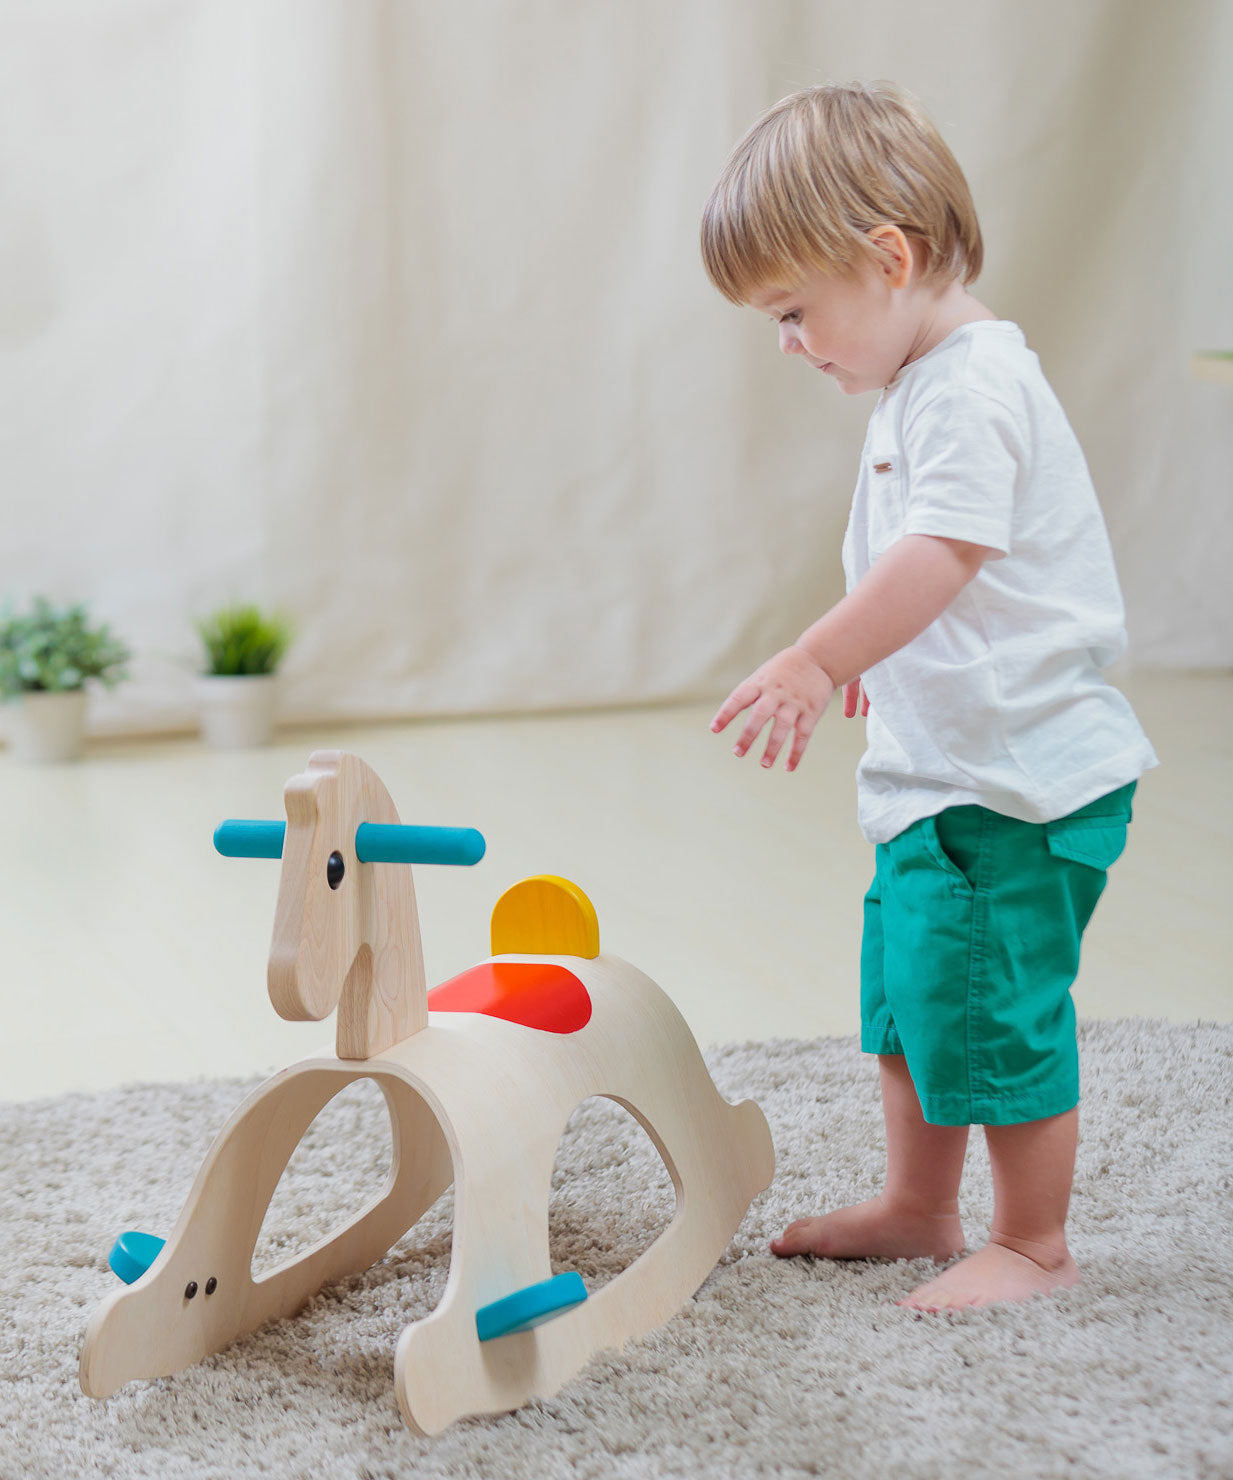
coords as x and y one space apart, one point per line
442 1370
421 1171
199 1295
719 1156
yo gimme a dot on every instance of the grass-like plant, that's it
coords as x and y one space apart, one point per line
53 649
243 641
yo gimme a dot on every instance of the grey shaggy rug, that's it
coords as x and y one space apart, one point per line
774 1368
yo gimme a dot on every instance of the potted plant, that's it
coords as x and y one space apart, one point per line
46 657
243 648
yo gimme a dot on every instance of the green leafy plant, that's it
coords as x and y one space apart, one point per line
243 641
51 649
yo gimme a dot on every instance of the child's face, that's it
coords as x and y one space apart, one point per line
853 328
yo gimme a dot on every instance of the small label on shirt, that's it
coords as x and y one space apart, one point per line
881 467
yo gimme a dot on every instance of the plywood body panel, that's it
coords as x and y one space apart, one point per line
481 1102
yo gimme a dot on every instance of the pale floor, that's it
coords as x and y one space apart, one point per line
132 951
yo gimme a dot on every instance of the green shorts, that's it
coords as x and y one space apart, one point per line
971 944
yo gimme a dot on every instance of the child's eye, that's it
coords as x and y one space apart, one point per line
792 318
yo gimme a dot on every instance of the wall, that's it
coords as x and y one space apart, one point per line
392 315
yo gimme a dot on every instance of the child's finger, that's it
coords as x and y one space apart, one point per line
780 729
850 692
758 716
804 729
864 702
740 698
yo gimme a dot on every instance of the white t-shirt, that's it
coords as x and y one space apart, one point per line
1000 701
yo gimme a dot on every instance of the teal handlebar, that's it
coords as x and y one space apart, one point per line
375 842
236 839
384 842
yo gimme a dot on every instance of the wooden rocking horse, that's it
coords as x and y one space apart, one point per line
480 1076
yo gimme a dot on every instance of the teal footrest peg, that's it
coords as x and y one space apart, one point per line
530 1307
133 1253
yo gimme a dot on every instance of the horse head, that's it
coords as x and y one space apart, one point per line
346 933
346 929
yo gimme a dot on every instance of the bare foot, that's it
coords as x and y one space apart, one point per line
997 1274
874 1230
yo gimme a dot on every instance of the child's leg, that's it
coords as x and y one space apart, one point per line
1033 1167
917 1213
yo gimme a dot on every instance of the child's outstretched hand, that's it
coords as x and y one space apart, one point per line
792 692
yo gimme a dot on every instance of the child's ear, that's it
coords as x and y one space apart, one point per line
895 257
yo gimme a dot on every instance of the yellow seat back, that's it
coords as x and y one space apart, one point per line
545 916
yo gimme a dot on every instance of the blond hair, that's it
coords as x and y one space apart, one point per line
821 168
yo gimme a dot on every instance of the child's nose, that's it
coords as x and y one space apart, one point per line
789 344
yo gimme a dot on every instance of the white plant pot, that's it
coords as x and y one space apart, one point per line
45 729
237 713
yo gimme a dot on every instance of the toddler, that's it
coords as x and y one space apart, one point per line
982 606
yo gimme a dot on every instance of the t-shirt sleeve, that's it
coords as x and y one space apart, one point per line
965 453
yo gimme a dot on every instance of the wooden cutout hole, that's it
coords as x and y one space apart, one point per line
612 1196
340 1168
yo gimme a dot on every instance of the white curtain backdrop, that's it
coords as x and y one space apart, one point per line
391 315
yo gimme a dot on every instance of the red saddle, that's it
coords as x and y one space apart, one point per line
536 994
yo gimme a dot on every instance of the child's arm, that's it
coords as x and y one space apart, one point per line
907 588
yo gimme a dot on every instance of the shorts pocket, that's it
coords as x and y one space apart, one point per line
1095 841
932 840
